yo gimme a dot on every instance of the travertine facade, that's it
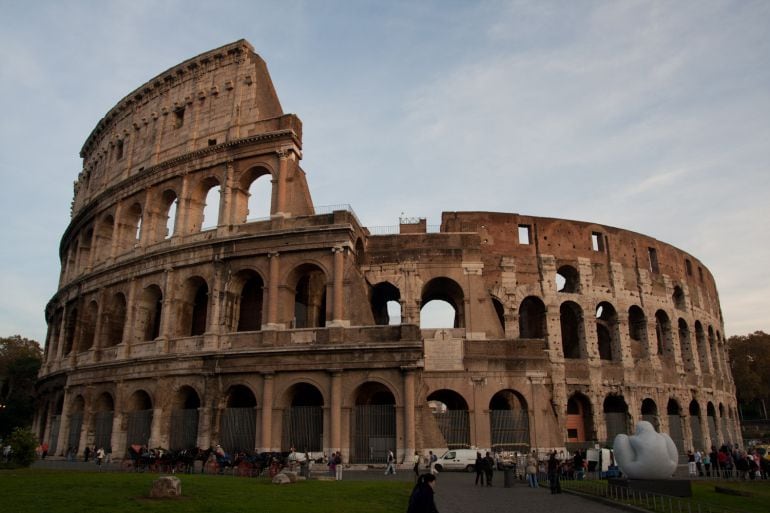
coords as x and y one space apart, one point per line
178 326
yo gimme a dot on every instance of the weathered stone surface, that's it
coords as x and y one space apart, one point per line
166 486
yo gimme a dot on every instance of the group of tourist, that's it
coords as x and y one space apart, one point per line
728 461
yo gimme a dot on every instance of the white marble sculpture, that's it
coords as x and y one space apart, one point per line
647 454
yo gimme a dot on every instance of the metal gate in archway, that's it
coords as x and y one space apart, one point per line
675 432
53 438
103 430
374 433
184 429
73 437
712 430
455 427
510 430
238 429
303 428
138 427
697 434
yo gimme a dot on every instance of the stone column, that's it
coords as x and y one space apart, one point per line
226 214
409 416
168 305
338 292
279 209
335 411
272 293
128 328
116 231
267 412
64 426
98 343
118 437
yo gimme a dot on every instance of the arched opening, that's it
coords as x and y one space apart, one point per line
607 331
169 205
76 425
303 420
637 330
509 422
88 327
650 413
695 429
193 307
72 263
449 295
572 330
712 341
702 347
675 430
138 419
385 303
131 231
579 419
104 413
104 230
85 247
70 325
678 298
532 318
711 420
184 419
250 302
53 434
309 297
373 430
148 313
723 423
499 312
260 197
450 411
567 279
615 416
663 335
685 346
210 218
115 320
238 428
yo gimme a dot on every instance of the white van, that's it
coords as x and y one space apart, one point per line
459 459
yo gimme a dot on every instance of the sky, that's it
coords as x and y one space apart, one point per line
648 116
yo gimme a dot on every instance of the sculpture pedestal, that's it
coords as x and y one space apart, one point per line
673 487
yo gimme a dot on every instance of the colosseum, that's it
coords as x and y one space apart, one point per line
182 319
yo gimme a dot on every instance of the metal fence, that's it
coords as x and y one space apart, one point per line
53 438
510 430
103 430
455 426
238 429
184 429
374 428
73 437
138 424
303 428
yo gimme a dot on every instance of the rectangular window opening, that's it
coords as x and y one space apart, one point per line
524 234
653 253
597 241
179 118
119 150
700 273
688 266
212 142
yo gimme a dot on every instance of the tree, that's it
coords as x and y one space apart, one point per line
23 443
750 362
20 361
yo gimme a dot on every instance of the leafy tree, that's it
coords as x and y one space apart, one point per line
20 360
750 362
23 443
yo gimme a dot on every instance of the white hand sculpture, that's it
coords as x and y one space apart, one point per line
647 454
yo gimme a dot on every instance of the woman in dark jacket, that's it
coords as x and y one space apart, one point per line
479 466
421 500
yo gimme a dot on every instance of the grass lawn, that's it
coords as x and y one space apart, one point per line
703 493
48 491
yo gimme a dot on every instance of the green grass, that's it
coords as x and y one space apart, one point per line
703 493
47 491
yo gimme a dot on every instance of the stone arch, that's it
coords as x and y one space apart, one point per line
685 345
169 207
695 425
711 421
497 304
567 279
678 298
130 231
650 413
238 425
139 412
104 412
86 239
303 418
532 318
450 411
88 326
579 419
70 329
149 309
247 300
509 421
385 301
373 429
663 334
308 283
114 320
76 414
615 416
637 330
450 292
200 196
572 330
675 429
702 347
193 307
71 264
105 228
253 199
607 332
184 418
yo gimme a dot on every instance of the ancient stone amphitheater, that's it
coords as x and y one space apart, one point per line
183 320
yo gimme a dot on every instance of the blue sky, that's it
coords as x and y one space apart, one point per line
650 116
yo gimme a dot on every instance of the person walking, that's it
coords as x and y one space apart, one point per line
532 470
479 467
489 468
432 459
416 461
338 466
391 468
553 473
422 500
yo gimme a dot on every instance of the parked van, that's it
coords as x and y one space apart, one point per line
459 459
